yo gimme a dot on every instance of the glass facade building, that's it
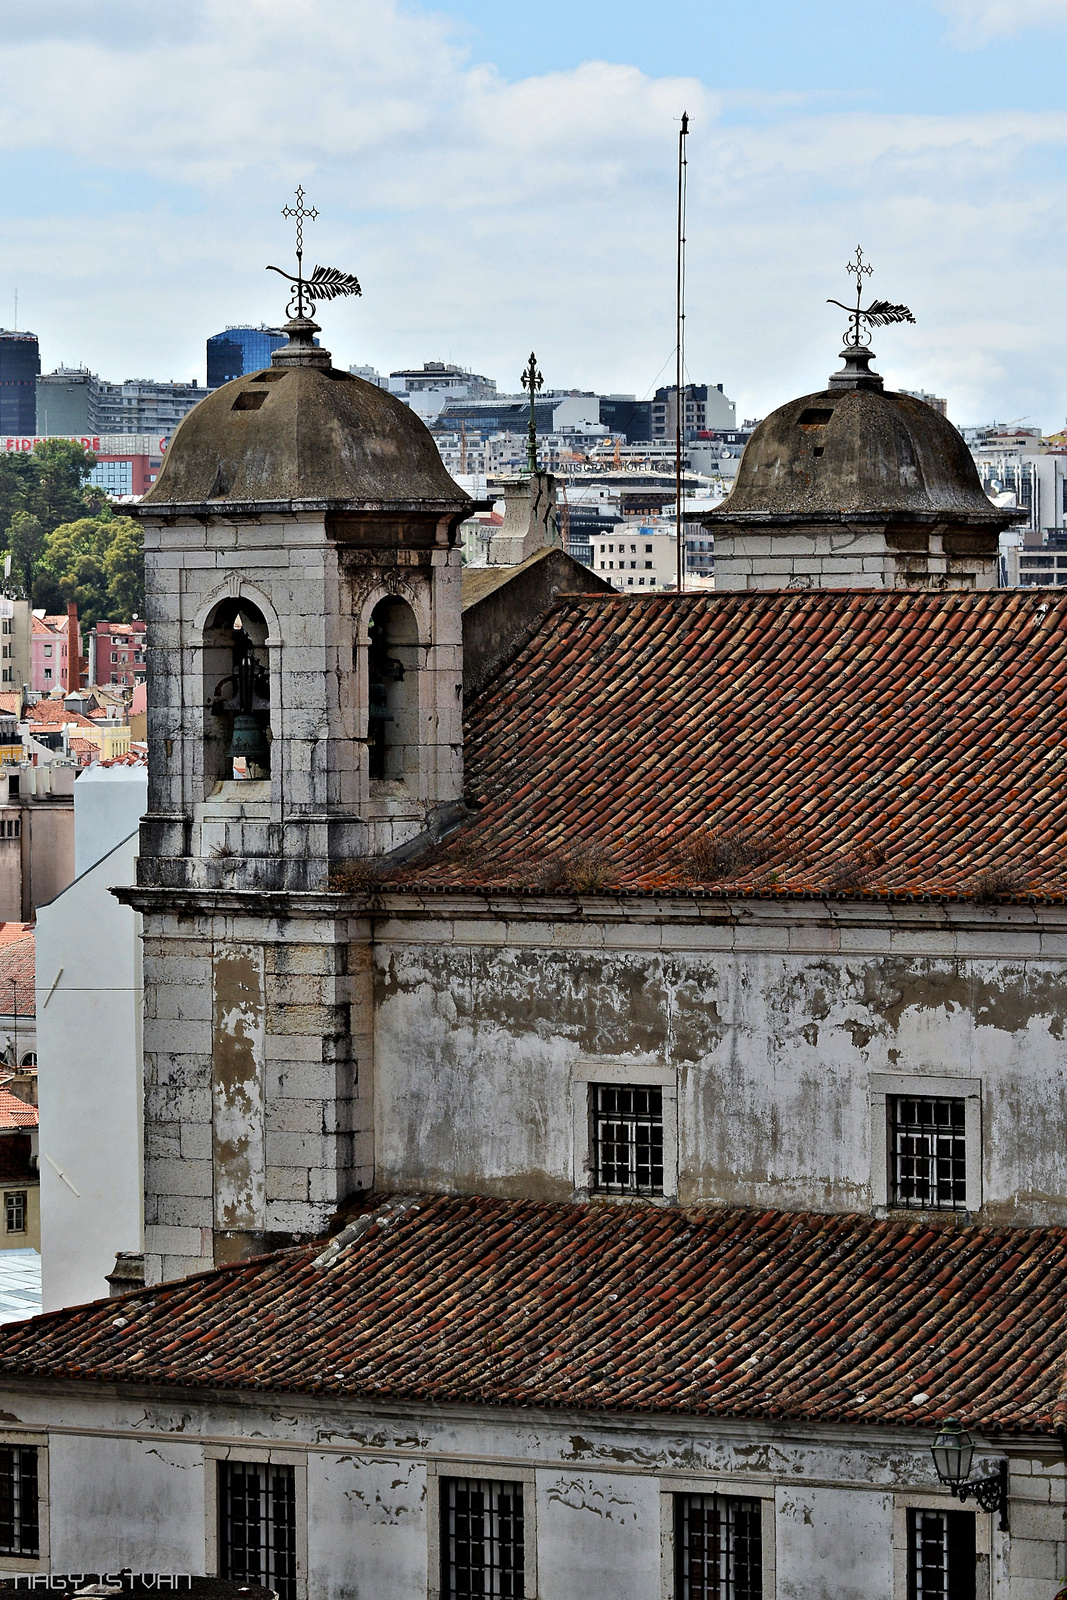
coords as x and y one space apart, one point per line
20 367
240 350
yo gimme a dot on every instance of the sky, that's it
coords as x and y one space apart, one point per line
501 176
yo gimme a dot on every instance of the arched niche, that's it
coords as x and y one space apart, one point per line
393 678
237 732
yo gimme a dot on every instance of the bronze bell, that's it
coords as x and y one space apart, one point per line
249 741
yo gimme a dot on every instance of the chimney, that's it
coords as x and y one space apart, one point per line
73 672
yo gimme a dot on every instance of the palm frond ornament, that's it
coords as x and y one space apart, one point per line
325 283
879 314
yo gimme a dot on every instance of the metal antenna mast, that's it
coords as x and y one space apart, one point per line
679 398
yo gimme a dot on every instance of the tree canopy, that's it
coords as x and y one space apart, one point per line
63 538
98 563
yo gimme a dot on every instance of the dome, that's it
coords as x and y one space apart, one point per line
858 452
301 432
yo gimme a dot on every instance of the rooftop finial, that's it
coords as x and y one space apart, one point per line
325 283
877 315
532 380
856 373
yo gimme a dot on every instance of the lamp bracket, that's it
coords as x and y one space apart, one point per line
991 1492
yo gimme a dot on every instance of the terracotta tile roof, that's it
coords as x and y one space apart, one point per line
835 742
601 1307
18 962
15 1113
11 704
53 713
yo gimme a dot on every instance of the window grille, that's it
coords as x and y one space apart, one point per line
257 1525
15 1206
627 1139
941 1555
718 1548
482 1550
19 1532
927 1154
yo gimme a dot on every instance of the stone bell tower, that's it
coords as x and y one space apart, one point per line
305 683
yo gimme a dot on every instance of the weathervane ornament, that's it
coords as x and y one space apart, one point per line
877 315
533 381
325 283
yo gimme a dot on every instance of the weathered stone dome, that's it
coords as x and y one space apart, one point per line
301 431
858 452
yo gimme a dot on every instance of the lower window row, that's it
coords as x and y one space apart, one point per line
718 1539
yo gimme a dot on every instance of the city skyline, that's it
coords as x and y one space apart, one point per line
496 186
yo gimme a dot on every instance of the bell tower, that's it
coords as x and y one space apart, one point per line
305 686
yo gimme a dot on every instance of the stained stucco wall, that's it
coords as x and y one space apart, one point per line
776 1027
131 1482
90 1083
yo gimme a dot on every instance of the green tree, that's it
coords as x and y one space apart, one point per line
74 564
124 564
26 543
55 492
18 479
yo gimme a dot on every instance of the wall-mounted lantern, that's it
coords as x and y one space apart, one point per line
953 1452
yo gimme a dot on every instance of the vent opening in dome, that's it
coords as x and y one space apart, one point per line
815 417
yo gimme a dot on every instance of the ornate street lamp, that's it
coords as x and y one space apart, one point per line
953 1452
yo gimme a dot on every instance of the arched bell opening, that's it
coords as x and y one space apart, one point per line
393 711
237 683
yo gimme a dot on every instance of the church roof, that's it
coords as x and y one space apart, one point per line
702 1311
301 434
862 453
878 744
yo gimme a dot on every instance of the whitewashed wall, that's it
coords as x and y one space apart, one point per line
777 1026
131 1482
89 1003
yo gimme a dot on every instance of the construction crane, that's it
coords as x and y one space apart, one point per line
462 447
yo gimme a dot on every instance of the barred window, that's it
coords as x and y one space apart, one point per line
481 1539
718 1548
19 1524
941 1555
257 1525
627 1139
15 1209
927 1153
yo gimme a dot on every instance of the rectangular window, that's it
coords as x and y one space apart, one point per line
48 649
627 1138
481 1539
718 1548
927 1153
257 1525
19 1532
941 1555
48 672
15 1204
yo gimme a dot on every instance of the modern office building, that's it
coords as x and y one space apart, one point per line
66 402
20 367
621 413
239 350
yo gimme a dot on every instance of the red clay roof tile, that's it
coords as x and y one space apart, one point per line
631 1308
882 744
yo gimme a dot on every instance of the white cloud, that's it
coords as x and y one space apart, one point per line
147 164
978 21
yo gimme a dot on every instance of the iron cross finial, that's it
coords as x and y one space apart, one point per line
532 380
325 283
299 212
877 315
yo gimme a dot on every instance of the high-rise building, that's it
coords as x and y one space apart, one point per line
20 366
141 406
239 350
705 407
66 402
